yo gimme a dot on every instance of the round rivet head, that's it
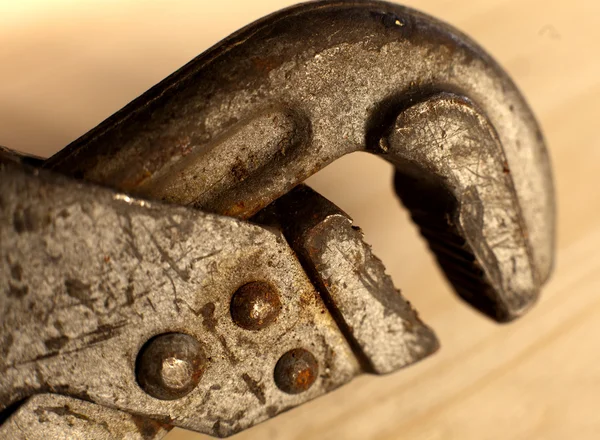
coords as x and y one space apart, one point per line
255 305
169 366
296 371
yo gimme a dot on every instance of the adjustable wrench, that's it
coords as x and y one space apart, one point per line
161 315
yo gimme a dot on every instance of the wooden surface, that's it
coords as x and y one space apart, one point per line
66 65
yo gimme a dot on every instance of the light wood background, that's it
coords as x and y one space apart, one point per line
67 65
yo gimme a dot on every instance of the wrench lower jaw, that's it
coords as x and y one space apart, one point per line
90 277
383 329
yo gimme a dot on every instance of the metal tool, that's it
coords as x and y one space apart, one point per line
123 316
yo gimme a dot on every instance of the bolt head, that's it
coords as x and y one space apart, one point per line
296 371
170 366
255 305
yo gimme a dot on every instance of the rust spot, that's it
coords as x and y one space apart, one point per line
305 378
296 371
236 210
135 180
265 64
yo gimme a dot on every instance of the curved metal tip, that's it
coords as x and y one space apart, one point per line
453 175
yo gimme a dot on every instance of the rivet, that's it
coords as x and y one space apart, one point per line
169 366
296 371
255 305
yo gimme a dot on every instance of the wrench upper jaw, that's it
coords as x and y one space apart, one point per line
258 114
452 174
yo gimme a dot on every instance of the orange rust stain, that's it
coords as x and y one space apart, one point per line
265 64
237 209
305 378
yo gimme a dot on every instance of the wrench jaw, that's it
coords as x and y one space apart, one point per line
261 112
452 174
381 326
456 257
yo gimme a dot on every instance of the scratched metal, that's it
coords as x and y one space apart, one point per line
260 112
456 181
54 417
385 331
88 276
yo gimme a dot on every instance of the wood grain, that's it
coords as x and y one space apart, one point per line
66 65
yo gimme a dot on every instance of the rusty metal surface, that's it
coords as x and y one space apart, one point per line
296 371
384 330
257 114
211 323
54 417
88 276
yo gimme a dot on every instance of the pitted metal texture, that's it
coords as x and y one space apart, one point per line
456 181
55 417
89 276
127 316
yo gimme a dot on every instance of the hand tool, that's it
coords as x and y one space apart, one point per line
169 269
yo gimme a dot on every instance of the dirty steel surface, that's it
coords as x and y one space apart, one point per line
165 312
274 103
189 319
55 417
88 276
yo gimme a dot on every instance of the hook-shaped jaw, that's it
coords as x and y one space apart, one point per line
453 175
256 115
